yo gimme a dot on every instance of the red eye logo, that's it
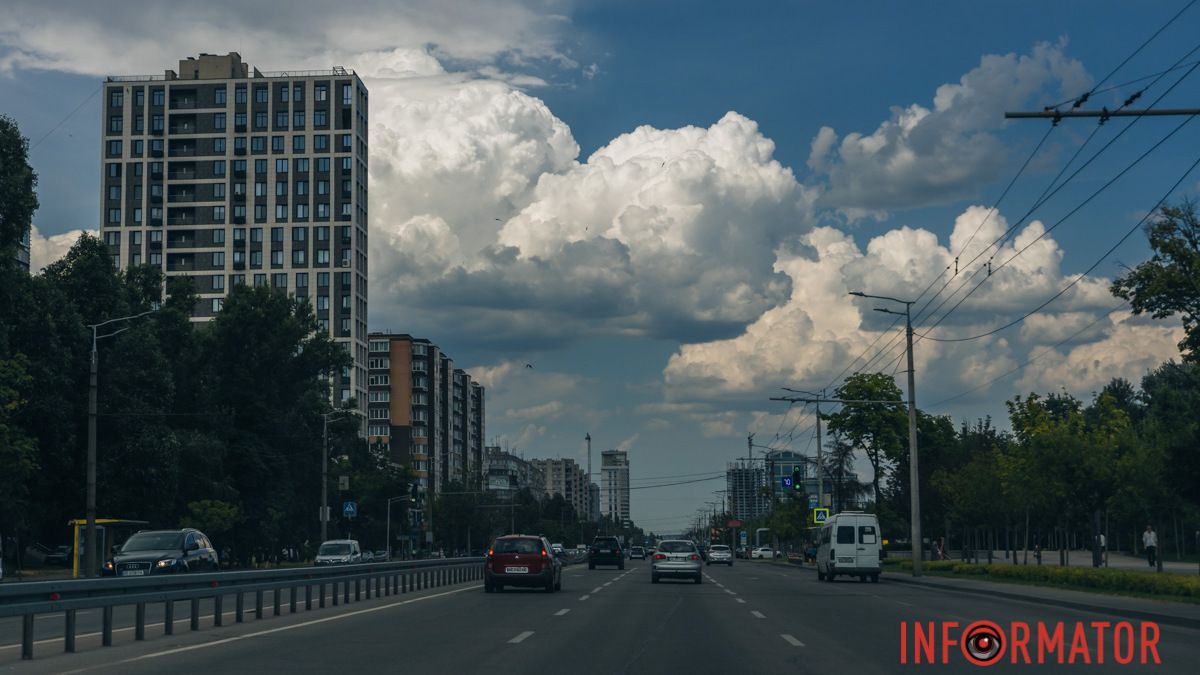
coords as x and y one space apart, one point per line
982 643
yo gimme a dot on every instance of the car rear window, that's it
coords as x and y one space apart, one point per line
604 541
675 547
517 546
845 534
718 547
152 541
866 534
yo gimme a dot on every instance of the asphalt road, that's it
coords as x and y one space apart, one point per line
753 617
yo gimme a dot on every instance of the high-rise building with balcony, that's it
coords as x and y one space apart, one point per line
614 485
228 175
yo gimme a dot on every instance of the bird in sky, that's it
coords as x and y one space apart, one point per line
529 365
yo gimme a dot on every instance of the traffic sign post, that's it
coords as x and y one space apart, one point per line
786 482
820 516
812 501
350 509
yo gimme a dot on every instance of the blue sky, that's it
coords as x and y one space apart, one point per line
626 194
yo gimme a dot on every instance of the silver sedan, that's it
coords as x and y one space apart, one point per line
720 553
676 558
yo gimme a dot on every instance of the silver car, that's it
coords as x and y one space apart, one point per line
676 558
720 553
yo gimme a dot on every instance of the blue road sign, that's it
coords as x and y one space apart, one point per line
820 515
787 482
349 509
812 501
745 536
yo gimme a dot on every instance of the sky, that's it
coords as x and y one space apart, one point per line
662 206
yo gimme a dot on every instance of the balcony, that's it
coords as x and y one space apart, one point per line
179 220
183 151
181 242
239 196
175 197
183 128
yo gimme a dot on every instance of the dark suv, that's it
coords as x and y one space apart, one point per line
163 552
606 551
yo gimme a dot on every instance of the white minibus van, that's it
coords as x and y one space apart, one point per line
850 544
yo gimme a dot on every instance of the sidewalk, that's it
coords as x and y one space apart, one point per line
1117 561
1161 611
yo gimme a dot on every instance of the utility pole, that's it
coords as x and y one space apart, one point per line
325 417
588 483
90 512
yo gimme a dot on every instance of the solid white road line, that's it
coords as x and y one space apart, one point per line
561 612
791 640
520 638
757 614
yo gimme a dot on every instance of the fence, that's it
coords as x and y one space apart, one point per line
27 600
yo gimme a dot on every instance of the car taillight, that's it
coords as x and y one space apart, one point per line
695 557
659 556
491 553
544 553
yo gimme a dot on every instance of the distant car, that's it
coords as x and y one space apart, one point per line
720 553
676 558
762 552
382 555
163 552
368 556
637 552
339 552
606 551
741 552
59 555
521 560
556 548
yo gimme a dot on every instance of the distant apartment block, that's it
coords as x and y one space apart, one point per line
227 175
566 478
427 414
23 251
505 474
747 489
614 485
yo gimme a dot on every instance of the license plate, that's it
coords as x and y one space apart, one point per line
516 570
133 573
845 560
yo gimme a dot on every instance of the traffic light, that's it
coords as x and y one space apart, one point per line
797 479
413 495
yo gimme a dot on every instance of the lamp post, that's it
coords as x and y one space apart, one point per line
90 539
914 483
325 417
388 535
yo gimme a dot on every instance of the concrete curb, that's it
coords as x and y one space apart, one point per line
1169 619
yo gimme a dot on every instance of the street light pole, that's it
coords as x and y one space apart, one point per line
918 549
388 535
325 470
90 537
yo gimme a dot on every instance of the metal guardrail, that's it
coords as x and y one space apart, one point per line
27 600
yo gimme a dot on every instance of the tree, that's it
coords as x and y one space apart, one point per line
18 190
1169 283
212 517
879 429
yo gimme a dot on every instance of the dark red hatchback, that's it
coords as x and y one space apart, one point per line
521 560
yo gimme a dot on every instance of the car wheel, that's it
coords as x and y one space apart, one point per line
874 578
699 578
820 575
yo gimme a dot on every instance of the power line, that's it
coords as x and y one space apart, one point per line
684 482
69 116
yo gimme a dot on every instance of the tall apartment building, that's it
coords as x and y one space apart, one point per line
614 485
504 474
745 485
565 477
428 415
23 251
228 175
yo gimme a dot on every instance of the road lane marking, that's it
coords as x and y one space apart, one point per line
303 624
740 600
791 640
584 598
561 612
520 638
757 614
608 583
730 592
597 589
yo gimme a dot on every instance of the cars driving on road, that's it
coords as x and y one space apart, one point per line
849 544
521 560
720 553
163 552
762 552
637 552
339 552
606 551
676 558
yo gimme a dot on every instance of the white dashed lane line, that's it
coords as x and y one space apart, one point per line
730 592
585 597
597 589
757 614
791 640
740 600
561 612
520 638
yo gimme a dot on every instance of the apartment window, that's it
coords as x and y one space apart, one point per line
256 258
158 97
260 166
258 144
237 279
277 258
322 256
137 217
321 144
299 233
419 350
239 121
239 234
156 148
218 282
281 213
347 163
301 211
298 94
346 94
320 118
347 145
321 233
297 143
112 238
345 326
279 280
239 145
299 257
219 146
219 96
219 121
218 214
345 277
260 119
114 148
114 192
239 258
219 167
346 302
323 325
218 236
137 171
139 123
260 94
218 258
114 170
283 93
260 212
218 190
281 119
302 187
239 94
323 302
301 280
277 234
114 216
260 280
156 219
281 188
323 210
156 122
281 166
115 123
277 144
260 188
302 165
216 305
116 98
322 165
380 396
298 119
322 279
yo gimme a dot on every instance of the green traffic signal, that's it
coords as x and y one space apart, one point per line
797 480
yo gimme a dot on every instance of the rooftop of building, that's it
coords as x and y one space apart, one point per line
226 67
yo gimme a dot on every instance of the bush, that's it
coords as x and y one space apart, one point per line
1078 578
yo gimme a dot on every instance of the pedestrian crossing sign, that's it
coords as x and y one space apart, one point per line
820 515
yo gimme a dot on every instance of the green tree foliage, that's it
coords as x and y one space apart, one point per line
18 189
212 517
1169 283
880 430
